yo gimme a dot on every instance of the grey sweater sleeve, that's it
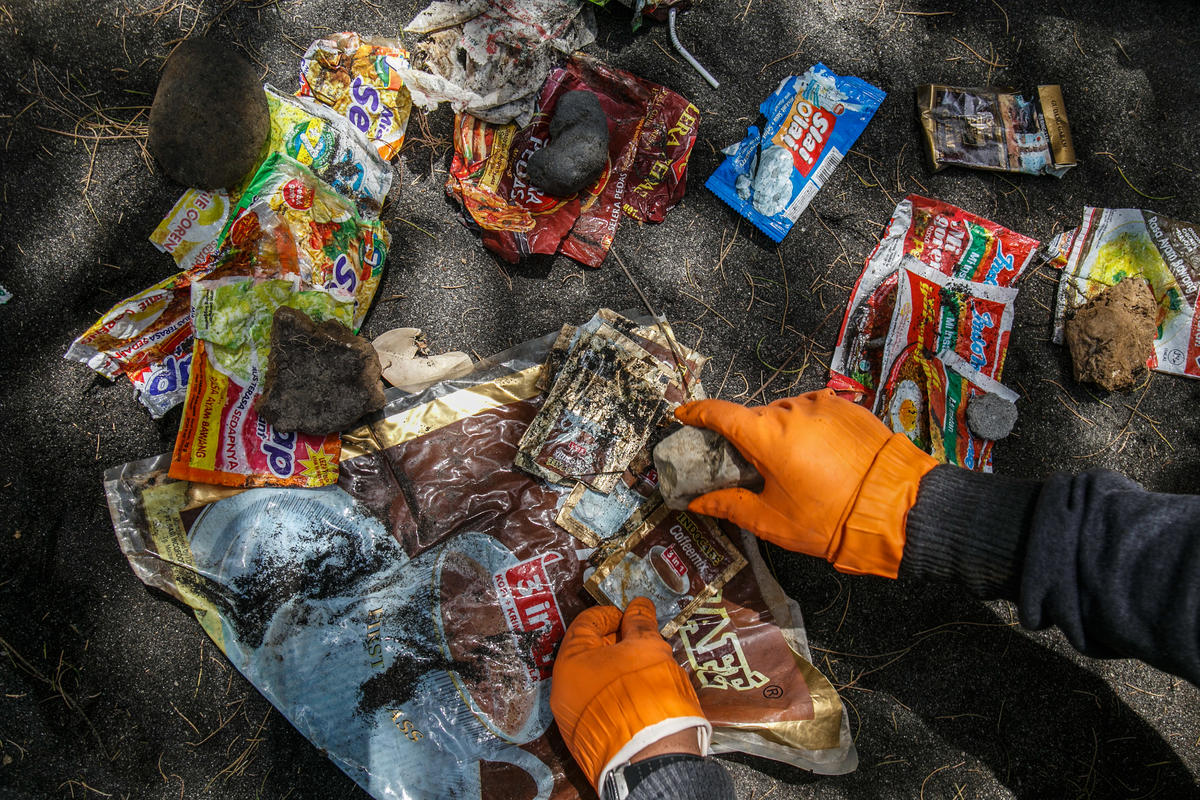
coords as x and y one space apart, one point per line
699 779
1117 568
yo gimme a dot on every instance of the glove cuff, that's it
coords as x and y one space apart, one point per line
624 718
872 540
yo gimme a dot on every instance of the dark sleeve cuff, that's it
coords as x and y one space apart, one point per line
970 528
689 779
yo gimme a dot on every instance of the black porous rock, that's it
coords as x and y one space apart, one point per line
990 416
578 148
209 120
320 378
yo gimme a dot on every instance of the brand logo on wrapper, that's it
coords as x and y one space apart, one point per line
980 323
344 276
298 194
805 132
170 375
531 610
279 448
714 651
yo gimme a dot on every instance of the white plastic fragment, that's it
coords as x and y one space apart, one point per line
401 355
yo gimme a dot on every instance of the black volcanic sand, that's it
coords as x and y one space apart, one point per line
946 693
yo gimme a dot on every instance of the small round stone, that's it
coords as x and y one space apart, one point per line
209 120
990 416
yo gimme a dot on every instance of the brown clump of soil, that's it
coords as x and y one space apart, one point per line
1111 336
320 378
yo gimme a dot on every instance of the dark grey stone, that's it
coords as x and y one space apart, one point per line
209 120
990 416
578 148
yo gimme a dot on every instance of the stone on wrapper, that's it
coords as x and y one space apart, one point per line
694 461
1112 336
320 378
990 416
578 148
209 120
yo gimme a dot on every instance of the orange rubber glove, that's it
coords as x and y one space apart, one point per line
617 689
838 483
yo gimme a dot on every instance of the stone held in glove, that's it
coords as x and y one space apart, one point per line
209 120
321 379
578 149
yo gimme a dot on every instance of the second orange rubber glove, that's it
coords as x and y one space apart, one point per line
617 689
838 483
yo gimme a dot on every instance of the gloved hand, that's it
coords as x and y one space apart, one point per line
838 483
617 689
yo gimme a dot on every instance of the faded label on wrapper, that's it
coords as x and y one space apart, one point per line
675 558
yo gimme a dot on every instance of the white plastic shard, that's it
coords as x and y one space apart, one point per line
407 367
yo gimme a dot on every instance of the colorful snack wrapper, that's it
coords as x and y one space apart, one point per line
222 439
651 134
189 233
147 338
675 558
935 312
296 243
1115 243
335 150
944 237
805 129
926 398
317 233
996 130
359 78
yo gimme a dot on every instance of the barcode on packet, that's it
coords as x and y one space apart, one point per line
828 164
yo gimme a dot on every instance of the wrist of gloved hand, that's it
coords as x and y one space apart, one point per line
872 540
667 710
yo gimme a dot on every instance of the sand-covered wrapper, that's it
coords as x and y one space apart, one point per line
600 412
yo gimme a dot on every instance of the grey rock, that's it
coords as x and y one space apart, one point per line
209 120
320 378
578 148
694 461
990 416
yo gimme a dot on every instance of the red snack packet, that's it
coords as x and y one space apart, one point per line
651 134
944 237
935 313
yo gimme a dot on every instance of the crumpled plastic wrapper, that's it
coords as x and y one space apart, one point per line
489 58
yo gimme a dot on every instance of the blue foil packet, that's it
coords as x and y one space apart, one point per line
805 128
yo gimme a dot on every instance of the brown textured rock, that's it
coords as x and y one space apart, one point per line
320 378
1111 336
209 119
